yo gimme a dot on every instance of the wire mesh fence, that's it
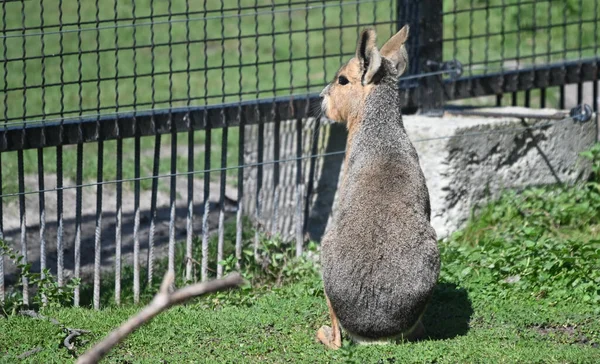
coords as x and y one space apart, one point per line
137 132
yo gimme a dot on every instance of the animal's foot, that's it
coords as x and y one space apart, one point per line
325 336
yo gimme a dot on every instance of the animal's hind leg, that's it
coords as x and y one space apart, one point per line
417 333
330 336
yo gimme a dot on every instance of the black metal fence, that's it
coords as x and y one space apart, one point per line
94 92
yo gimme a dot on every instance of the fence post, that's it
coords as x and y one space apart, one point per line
426 34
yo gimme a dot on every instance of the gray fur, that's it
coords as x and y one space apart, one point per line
380 257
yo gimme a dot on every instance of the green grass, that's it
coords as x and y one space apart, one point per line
520 283
280 327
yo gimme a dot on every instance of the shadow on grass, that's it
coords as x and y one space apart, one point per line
448 313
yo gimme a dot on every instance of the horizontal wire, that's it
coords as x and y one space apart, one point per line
491 7
186 20
121 114
11 122
252 165
527 66
176 43
165 15
536 55
517 31
165 101
17 120
472 66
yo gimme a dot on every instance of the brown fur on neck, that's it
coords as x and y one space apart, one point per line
347 104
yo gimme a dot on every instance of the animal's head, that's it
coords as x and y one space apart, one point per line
343 98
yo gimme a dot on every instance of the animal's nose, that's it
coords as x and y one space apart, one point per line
325 91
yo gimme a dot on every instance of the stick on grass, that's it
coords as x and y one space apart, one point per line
161 302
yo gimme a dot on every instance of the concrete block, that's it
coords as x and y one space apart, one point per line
468 160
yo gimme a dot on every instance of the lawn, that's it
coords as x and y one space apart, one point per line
520 283
280 327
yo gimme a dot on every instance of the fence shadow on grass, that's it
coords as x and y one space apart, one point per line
448 313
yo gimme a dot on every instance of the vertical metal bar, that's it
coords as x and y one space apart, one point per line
259 169
190 204
155 172
579 93
311 171
206 212
341 60
77 248
119 172
5 103
594 106
59 218
1 227
21 177
527 98
430 30
1 233
119 222
42 198
543 98
515 98
580 30
23 223
298 220
98 231
99 175
299 190
502 44
190 177
565 22
324 45
79 172
240 188
259 183
59 160
207 134
276 131
173 176
240 177
223 181
222 200
315 136
42 214
393 17
595 82
136 217
561 101
172 199
518 46
487 39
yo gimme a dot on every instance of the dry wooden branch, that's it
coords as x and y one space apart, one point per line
161 302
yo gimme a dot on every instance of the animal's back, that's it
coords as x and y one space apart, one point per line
380 259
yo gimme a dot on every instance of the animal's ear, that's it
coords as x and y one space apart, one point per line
395 50
368 55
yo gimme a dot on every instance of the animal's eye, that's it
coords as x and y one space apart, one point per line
342 80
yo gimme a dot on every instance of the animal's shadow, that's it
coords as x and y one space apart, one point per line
448 313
